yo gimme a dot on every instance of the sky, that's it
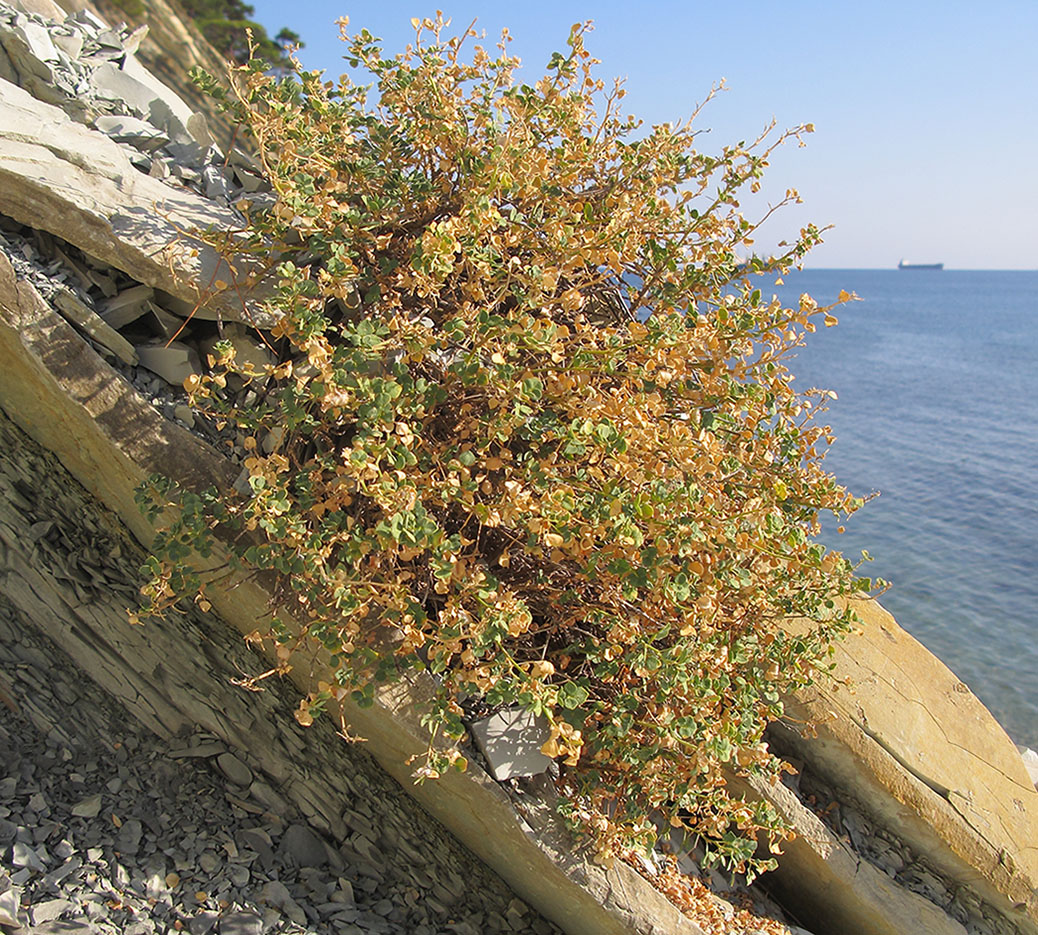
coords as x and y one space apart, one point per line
925 112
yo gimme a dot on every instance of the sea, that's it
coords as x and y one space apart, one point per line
936 374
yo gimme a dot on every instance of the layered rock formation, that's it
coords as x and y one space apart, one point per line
900 736
915 811
223 817
169 49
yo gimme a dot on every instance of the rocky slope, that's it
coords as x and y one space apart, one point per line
916 813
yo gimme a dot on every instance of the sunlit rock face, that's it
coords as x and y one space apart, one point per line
897 733
169 49
916 813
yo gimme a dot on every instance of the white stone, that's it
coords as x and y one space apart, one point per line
38 39
50 909
162 116
511 742
19 47
159 168
198 127
132 42
9 908
89 19
70 43
114 83
159 91
24 856
137 133
1030 759
248 180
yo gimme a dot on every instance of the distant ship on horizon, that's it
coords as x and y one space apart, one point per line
904 264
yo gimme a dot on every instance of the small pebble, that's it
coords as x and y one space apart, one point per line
88 807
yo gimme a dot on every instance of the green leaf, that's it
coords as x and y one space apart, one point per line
572 695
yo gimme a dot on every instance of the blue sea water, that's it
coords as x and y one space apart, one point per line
937 376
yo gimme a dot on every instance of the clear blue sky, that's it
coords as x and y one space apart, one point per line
926 113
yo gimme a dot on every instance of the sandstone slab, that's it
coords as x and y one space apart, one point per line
904 737
832 885
94 325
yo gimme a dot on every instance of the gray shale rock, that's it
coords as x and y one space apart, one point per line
233 768
303 847
129 838
138 133
241 923
9 908
174 361
57 175
88 807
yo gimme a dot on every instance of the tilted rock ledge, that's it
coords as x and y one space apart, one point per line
936 817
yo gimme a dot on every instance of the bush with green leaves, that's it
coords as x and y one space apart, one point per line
530 432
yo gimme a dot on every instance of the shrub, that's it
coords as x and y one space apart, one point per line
531 430
130 7
229 28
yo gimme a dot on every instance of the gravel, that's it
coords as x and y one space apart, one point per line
883 848
105 828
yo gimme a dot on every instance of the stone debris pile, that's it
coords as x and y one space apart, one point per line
149 336
105 829
90 71
154 338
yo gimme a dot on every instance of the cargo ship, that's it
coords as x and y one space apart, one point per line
904 265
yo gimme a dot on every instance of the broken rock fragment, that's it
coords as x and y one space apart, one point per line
174 362
138 133
87 320
127 306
